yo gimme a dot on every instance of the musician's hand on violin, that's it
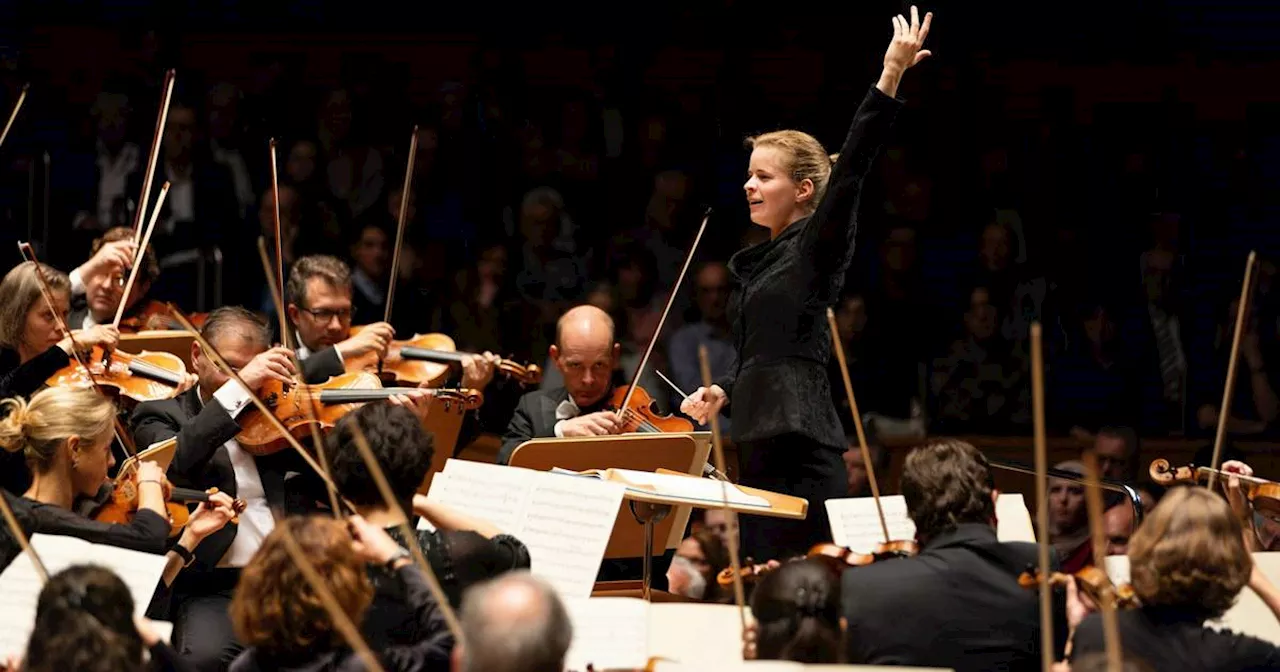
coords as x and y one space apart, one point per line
1235 494
208 518
110 259
372 338
189 381
276 363
371 542
104 335
477 370
704 403
1078 604
418 401
599 423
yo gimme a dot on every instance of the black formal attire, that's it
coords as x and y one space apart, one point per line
22 380
535 417
956 605
429 653
147 532
202 592
785 425
1167 639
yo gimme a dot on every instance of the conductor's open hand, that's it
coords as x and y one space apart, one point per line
704 403
599 423
908 39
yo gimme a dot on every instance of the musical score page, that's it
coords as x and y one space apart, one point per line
785 666
684 487
565 522
20 584
608 633
855 524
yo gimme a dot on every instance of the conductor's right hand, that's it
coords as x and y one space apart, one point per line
272 364
599 423
704 403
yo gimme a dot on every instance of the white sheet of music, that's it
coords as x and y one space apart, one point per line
695 489
20 584
608 632
856 525
566 522
710 634
786 666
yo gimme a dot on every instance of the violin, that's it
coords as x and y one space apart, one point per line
123 503
429 358
1256 489
641 414
749 574
330 400
145 376
154 316
1092 581
841 558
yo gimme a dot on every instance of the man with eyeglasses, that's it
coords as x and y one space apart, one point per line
318 296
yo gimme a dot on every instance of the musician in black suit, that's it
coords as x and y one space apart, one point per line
957 604
318 300
204 421
785 425
586 354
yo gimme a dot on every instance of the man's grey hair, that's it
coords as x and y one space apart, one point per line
514 623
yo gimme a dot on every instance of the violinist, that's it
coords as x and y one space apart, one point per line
1260 517
203 419
1187 564
318 295
586 355
785 424
962 588
797 613
103 292
66 436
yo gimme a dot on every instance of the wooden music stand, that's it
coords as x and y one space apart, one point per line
444 421
174 342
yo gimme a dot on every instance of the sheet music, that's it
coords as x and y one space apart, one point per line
855 524
20 584
608 632
691 632
566 523
786 666
698 489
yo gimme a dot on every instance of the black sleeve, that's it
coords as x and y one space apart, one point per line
830 235
519 430
147 532
434 649
1088 637
198 438
165 659
24 380
322 366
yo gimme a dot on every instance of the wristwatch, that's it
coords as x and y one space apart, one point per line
401 553
187 556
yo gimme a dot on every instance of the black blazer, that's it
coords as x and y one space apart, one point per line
1170 641
956 605
200 460
22 380
782 289
535 417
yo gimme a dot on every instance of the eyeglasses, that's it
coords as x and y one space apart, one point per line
325 315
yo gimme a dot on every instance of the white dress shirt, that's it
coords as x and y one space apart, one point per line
257 520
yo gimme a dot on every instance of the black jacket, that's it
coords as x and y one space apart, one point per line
22 380
1169 641
782 289
955 605
534 418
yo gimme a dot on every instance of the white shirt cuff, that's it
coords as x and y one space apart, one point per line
77 283
560 429
232 397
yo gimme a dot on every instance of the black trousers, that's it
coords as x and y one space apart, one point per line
794 465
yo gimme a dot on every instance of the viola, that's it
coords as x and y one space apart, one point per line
749 574
1092 581
641 414
123 503
1258 490
841 558
154 316
330 401
145 376
429 358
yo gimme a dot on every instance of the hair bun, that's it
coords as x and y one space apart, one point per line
14 423
834 157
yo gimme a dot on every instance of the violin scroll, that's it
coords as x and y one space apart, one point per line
1162 473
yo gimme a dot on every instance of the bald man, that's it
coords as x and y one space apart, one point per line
514 622
586 355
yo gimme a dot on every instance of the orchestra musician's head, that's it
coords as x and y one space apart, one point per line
238 335
797 611
103 291
514 623
84 621
402 447
786 178
586 354
1117 449
28 324
65 434
1117 523
277 612
1189 530
319 301
947 483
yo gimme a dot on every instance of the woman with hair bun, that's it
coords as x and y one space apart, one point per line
785 426
797 612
